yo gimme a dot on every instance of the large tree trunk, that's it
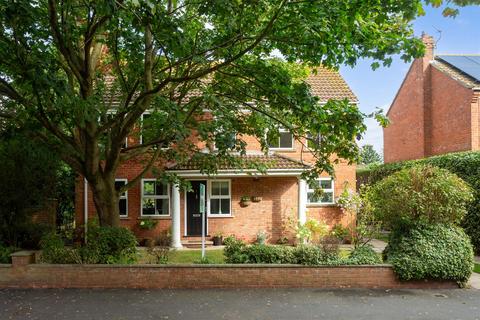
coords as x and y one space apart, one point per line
105 197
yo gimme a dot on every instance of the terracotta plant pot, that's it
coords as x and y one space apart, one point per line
245 203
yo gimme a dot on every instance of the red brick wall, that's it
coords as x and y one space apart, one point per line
450 115
279 201
432 114
219 276
404 137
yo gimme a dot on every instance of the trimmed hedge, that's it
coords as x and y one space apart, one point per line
466 165
439 252
236 251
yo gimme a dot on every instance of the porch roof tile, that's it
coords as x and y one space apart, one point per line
249 161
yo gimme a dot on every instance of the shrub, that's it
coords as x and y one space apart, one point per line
54 250
420 194
233 250
364 255
109 245
104 245
312 231
261 253
5 253
340 232
431 252
466 165
363 225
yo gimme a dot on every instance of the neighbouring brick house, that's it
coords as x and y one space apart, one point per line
280 191
436 109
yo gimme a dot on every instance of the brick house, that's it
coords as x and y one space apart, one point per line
436 109
279 193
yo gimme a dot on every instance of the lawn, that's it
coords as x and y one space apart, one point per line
193 256
185 256
476 268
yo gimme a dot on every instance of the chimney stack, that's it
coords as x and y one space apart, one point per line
429 46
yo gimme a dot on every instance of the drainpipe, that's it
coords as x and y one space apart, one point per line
85 206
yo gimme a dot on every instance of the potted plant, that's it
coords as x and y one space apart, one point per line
147 224
217 238
262 237
256 199
245 201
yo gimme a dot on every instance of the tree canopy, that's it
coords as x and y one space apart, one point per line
369 155
87 70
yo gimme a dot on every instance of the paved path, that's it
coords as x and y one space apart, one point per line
239 304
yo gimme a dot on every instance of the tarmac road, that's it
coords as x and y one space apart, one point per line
120 304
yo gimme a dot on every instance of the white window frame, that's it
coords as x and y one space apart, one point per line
211 196
332 190
123 197
155 197
282 130
141 129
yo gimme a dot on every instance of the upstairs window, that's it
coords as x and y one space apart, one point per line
123 199
155 198
284 140
326 196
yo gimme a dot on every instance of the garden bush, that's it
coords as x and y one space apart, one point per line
109 245
54 250
104 245
466 165
420 194
364 255
438 252
5 253
236 251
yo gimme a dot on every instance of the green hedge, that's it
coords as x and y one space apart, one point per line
466 165
236 251
439 252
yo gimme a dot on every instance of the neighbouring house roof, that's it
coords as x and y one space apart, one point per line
462 68
329 84
248 162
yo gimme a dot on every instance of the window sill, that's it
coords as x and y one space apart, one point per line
125 218
283 149
154 217
221 216
319 205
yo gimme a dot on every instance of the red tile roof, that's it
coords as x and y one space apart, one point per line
329 84
325 84
245 162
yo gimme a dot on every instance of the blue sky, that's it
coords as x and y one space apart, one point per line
378 88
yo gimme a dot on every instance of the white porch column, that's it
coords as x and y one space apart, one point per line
176 240
302 201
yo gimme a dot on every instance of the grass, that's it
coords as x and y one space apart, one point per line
193 256
185 256
476 268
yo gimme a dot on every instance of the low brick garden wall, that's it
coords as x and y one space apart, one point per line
23 274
